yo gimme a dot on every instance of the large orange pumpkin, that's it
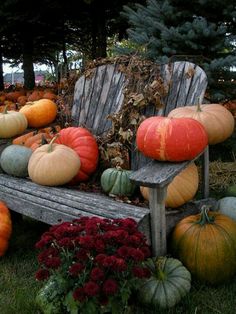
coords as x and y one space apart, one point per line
84 144
170 139
40 113
216 119
181 190
206 244
5 228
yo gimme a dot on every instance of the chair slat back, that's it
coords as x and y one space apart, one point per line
101 94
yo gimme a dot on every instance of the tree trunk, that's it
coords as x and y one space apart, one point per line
1 72
28 66
99 34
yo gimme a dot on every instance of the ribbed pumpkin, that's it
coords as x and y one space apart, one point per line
169 282
182 189
115 181
216 119
14 160
84 144
206 244
5 228
12 123
170 139
53 164
40 113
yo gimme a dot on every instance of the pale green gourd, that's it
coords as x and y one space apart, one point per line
14 160
170 281
115 181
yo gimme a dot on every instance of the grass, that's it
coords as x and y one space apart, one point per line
18 287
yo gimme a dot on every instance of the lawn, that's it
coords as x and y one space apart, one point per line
18 287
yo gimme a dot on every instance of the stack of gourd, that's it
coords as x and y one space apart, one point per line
69 157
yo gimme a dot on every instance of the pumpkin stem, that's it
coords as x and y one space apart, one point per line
5 109
204 217
160 264
199 106
51 142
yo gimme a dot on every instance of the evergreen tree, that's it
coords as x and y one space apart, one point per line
202 31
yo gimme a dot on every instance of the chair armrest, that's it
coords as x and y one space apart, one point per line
158 173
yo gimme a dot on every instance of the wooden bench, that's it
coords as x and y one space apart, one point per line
95 97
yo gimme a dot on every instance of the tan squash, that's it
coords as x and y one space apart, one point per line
12 123
53 164
216 119
181 190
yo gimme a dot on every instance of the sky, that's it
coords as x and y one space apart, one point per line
8 69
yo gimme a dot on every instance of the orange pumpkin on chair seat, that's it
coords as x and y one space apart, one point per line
53 164
40 113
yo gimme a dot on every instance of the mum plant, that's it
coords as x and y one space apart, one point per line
91 265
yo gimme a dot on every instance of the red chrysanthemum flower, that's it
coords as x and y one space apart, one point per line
79 295
42 274
91 288
97 274
110 287
76 269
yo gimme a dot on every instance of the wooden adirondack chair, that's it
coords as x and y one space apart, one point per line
97 95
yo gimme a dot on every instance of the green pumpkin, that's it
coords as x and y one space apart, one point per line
115 181
227 206
169 282
14 160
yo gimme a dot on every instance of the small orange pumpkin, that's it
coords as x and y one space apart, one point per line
40 113
5 228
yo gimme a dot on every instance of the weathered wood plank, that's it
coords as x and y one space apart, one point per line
158 174
158 220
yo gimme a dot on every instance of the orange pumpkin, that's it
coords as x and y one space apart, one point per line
171 139
40 113
181 190
5 228
216 119
206 244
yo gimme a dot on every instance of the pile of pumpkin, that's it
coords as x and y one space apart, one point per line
49 155
204 245
16 99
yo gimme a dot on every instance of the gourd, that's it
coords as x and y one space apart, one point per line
227 206
53 164
5 228
181 190
14 160
115 181
171 139
206 244
21 140
169 282
12 123
216 119
40 113
84 144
